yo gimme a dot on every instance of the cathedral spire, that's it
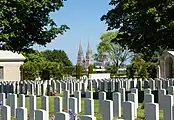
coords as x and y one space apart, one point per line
89 51
80 56
80 48
89 59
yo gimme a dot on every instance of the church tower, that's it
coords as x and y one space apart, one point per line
89 59
80 56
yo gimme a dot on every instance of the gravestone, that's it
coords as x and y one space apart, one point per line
146 84
128 110
167 108
78 96
57 104
89 94
62 116
149 98
107 112
73 104
21 100
2 98
117 104
6 112
21 113
45 103
132 97
66 100
32 106
151 111
13 104
89 107
102 96
161 94
122 91
41 115
87 117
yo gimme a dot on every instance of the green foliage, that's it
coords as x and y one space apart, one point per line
144 26
57 56
131 70
141 68
90 69
51 70
96 57
34 56
68 70
115 53
111 69
29 70
27 22
78 71
37 65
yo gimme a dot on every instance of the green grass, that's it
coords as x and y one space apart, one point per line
140 112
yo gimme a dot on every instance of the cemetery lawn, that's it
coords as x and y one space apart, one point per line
140 112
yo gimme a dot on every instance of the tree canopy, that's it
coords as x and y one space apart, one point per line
141 68
115 53
144 26
24 23
57 56
38 64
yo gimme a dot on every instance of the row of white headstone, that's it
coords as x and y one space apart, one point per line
107 85
107 108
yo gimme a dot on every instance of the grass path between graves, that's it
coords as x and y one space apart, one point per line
140 112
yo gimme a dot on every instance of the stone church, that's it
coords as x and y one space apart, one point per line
166 65
86 60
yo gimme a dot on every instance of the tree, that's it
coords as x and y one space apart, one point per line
115 53
51 70
79 70
57 56
46 66
96 57
90 69
27 22
34 56
31 67
141 68
144 26
112 69
29 70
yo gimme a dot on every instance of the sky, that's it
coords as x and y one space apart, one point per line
83 18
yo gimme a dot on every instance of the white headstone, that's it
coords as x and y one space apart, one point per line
78 96
21 100
41 115
151 111
107 112
117 104
66 100
57 104
6 112
87 117
21 113
129 110
32 106
89 107
62 116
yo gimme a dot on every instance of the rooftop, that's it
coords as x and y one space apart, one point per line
8 55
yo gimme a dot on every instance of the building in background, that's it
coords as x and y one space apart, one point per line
88 59
10 63
166 66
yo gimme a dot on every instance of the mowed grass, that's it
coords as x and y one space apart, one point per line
140 112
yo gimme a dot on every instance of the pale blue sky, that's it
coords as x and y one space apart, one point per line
83 18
